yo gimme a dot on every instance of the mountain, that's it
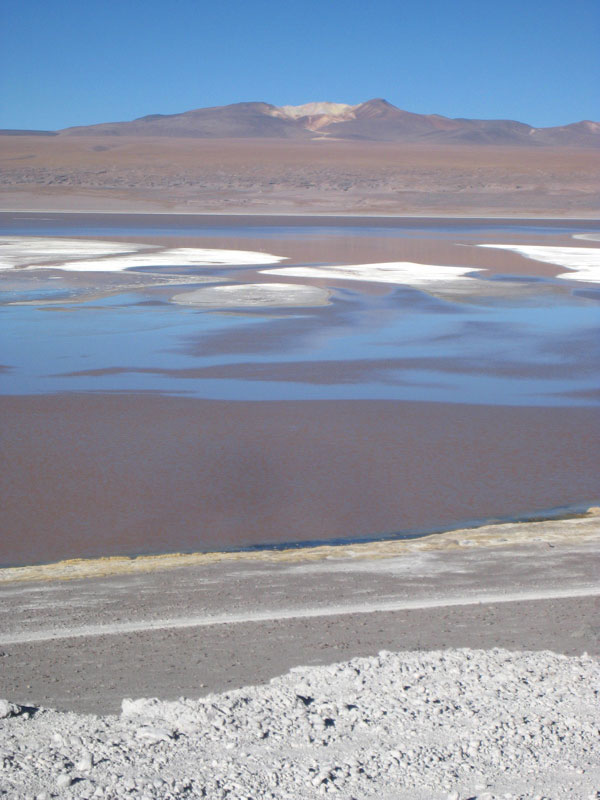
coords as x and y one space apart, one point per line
238 121
374 120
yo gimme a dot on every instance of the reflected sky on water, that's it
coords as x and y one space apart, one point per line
516 341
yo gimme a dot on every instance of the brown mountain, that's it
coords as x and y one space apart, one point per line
238 121
374 120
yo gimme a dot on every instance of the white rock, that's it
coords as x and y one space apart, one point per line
154 735
8 709
133 707
63 781
509 716
86 762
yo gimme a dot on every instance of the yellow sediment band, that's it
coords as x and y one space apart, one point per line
571 531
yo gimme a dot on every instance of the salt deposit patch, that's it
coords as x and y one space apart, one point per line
399 272
78 255
588 237
19 251
251 295
176 257
445 724
584 261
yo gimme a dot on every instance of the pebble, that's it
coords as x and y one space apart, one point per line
63 781
154 735
86 762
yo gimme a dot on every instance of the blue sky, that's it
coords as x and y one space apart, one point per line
73 62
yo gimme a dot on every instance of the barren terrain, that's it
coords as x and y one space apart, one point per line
108 173
449 724
82 634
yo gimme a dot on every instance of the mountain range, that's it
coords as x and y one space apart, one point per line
374 120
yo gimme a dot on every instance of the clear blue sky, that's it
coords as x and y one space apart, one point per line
74 62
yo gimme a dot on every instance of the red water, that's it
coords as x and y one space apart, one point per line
92 475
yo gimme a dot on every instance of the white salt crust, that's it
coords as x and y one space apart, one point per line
84 255
21 251
254 295
588 237
176 257
399 272
583 261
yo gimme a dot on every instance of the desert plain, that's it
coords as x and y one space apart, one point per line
272 176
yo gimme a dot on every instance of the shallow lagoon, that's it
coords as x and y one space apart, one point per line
511 354
136 424
512 339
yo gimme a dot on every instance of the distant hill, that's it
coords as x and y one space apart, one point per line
374 120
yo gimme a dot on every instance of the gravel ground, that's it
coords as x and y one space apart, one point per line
444 724
450 716
195 625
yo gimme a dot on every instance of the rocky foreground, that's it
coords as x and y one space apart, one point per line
444 724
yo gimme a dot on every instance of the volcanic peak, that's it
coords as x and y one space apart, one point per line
373 120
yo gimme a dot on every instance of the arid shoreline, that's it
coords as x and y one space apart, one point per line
235 621
553 530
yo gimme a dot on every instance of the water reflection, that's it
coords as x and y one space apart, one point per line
405 345
504 338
